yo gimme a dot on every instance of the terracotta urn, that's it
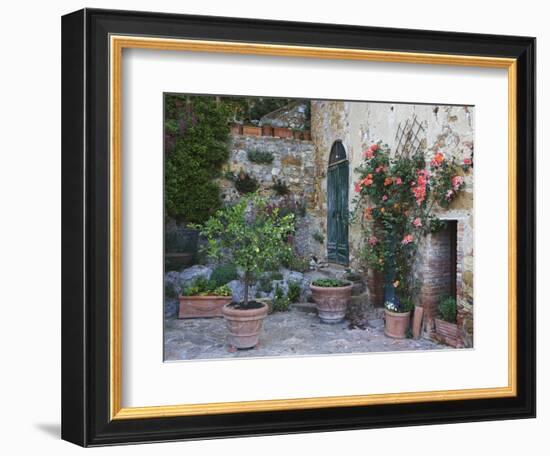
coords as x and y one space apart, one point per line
244 325
331 302
397 324
202 306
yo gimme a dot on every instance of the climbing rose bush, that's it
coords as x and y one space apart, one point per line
395 197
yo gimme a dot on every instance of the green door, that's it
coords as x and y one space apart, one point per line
337 210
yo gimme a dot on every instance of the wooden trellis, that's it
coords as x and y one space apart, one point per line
409 137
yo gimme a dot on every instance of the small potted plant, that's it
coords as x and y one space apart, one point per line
252 130
446 327
282 132
255 239
267 130
331 297
203 299
397 318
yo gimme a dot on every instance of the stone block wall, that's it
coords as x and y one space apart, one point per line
293 163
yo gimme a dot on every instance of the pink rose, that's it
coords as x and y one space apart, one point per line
407 239
417 222
385 197
373 240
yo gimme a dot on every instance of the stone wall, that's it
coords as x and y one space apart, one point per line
448 129
293 163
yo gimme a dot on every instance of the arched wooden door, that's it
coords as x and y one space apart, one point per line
337 210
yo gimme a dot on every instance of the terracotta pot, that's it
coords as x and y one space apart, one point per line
267 130
375 287
250 130
397 324
282 132
244 325
268 302
236 129
306 135
332 302
202 306
448 332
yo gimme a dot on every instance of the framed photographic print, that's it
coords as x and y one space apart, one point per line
275 227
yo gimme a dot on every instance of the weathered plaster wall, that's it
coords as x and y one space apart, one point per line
449 129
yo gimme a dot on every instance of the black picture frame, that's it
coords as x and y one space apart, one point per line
85 228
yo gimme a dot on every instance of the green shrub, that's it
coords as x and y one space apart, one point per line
447 309
294 291
197 136
265 284
245 183
329 283
318 236
281 303
280 187
258 156
297 263
276 275
201 286
223 274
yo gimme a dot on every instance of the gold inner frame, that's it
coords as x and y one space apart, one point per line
117 44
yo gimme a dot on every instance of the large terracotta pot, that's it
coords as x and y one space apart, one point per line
202 306
448 332
244 325
332 302
397 324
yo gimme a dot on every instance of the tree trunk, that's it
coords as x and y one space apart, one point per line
246 282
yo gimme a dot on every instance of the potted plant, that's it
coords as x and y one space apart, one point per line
297 134
397 319
282 132
331 297
254 237
446 327
252 130
203 299
267 130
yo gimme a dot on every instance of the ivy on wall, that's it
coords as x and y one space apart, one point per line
196 147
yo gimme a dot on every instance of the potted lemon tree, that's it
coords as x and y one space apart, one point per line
254 236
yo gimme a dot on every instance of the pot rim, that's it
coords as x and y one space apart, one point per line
232 311
205 297
397 314
345 287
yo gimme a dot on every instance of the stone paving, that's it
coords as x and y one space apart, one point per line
296 332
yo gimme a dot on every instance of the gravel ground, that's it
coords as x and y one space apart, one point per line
284 334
